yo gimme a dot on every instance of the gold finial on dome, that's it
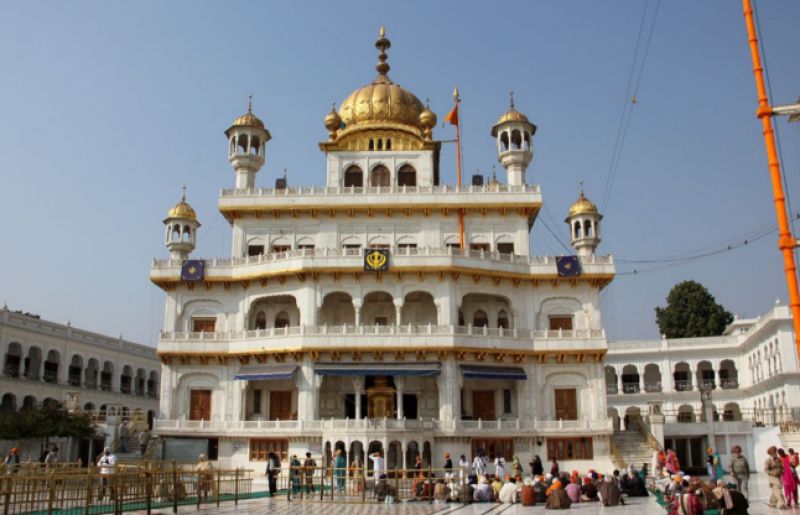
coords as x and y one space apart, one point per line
182 209
382 44
583 205
427 119
512 115
333 122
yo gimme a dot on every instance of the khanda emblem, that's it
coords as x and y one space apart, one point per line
376 260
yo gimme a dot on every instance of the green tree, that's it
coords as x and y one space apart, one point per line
46 422
692 311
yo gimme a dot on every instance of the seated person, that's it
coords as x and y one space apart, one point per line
609 492
384 489
636 486
589 490
573 489
539 490
508 494
483 492
441 492
527 495
558 498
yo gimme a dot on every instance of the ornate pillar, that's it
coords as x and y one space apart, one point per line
398 311
307 389
526 395
449 384
358 386
357 303
399 383
165 406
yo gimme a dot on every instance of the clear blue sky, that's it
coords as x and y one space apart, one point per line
106 108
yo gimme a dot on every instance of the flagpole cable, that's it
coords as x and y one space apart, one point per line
786 242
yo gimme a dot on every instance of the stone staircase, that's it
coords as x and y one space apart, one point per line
153 451
632 448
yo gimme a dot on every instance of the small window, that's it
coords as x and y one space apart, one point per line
281 248
561 322
305 247
261 321
352 249
507 402
453 246
281 320
255 250
502 319
505 248
354 177
479 319
381 246
204 325
407 176
379 177
381 321
261 447
406 248
479 246
570 448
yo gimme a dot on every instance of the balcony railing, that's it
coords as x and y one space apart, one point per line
630 387
745 416
652 387
612 389
379 425
427 252
372 330
729 384
337 191
683 386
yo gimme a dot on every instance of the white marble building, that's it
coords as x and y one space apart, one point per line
288 344
708 391
47 362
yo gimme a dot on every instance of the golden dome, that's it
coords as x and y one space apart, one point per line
248 119
427 118
512 115
583 206
381 102
182 209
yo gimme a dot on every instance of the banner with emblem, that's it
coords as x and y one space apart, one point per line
192 270
568 266
376 260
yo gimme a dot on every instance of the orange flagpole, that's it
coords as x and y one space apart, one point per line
786 242
458 169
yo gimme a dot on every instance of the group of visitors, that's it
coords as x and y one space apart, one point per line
688 495
781 469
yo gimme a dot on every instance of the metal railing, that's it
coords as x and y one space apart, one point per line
365 485
353 190
66 488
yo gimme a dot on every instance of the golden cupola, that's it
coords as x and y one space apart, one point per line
584 225
181 229
380 111
182 210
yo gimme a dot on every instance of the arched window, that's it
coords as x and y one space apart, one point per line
479 319
388 144
577 230
504 141
587 228
242 143
282 320
255 146
407 176
353 177
380 144
502 319
261 321
527 140
379 177
372 144
516 140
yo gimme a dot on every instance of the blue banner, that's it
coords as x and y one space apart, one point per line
192 270
568 266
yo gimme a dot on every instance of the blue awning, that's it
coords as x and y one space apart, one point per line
265 372
490 372
426 369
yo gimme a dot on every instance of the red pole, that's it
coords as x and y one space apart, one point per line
458 169
786 242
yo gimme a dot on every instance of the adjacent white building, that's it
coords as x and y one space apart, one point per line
353 315
694 393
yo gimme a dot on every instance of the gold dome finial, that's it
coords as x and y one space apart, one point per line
182 209
583 205
382 44
427 119
333 122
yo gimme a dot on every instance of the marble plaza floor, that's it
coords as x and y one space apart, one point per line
759 495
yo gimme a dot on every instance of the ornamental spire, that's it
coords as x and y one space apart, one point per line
382 44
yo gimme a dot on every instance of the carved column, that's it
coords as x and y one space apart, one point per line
449 383
358 386
399 383
398 311
306 391
357 303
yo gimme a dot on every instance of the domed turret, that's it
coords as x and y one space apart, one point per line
181 234
514 134
584 223
247 147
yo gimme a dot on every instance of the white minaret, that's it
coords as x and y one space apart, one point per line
514 134
584 225
181 232
247 147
